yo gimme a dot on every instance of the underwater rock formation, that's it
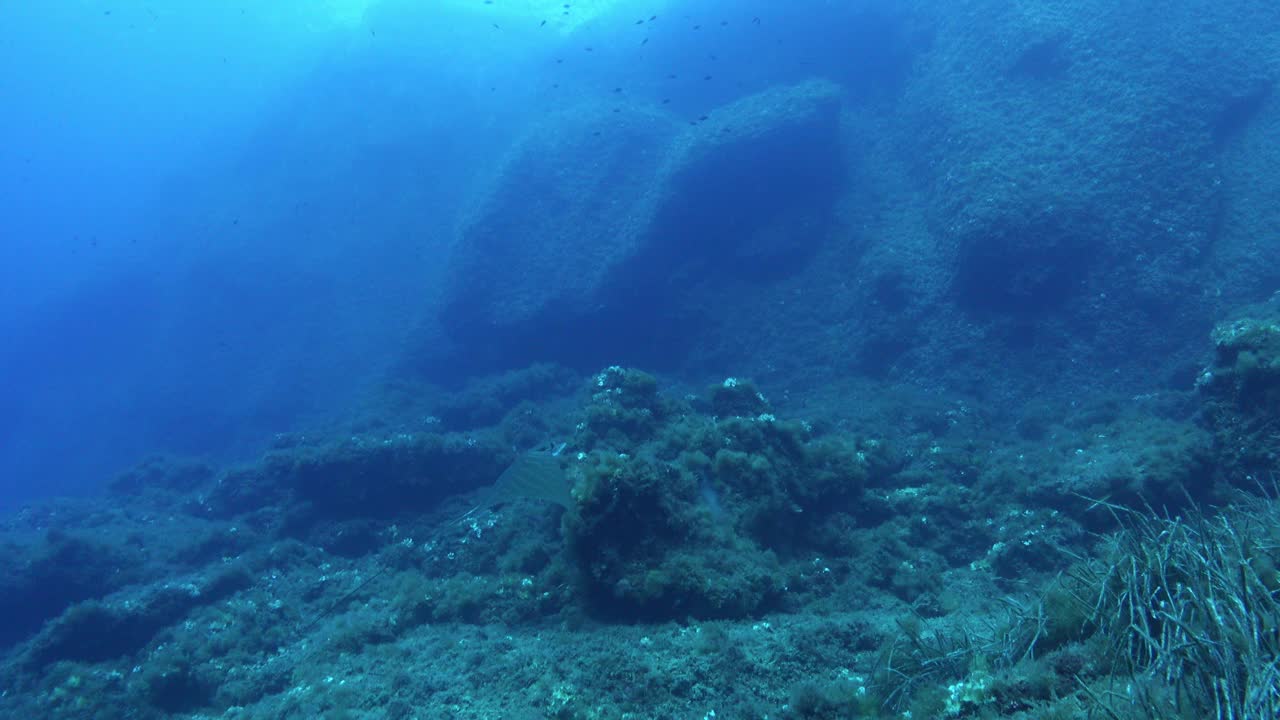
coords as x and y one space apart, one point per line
1241 391
679 514
557 250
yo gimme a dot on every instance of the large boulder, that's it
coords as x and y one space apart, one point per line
604 218
1241 393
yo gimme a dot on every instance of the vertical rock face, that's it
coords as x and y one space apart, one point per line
1032 193
563 256
1072 166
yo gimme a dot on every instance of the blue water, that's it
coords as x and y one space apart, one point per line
216 219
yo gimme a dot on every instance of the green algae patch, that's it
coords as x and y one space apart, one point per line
682 514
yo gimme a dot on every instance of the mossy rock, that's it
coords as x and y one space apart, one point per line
162 473
647 549
1138 461
387 474
1246 366
735 397
1241 389
625 410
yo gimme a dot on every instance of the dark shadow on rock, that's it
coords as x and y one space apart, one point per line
64 570
1024 266
1042 60
1239 111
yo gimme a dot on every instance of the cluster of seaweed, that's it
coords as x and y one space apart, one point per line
1190 608
1173 617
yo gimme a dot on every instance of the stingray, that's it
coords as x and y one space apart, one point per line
534 475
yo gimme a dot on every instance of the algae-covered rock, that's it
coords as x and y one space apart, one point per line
48 577
680 514
534 247
1135 461
646 548
159 473
373 475
126 621
1242 393
735 397
1246 364
560 249
624 410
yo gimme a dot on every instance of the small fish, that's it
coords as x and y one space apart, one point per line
544 22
